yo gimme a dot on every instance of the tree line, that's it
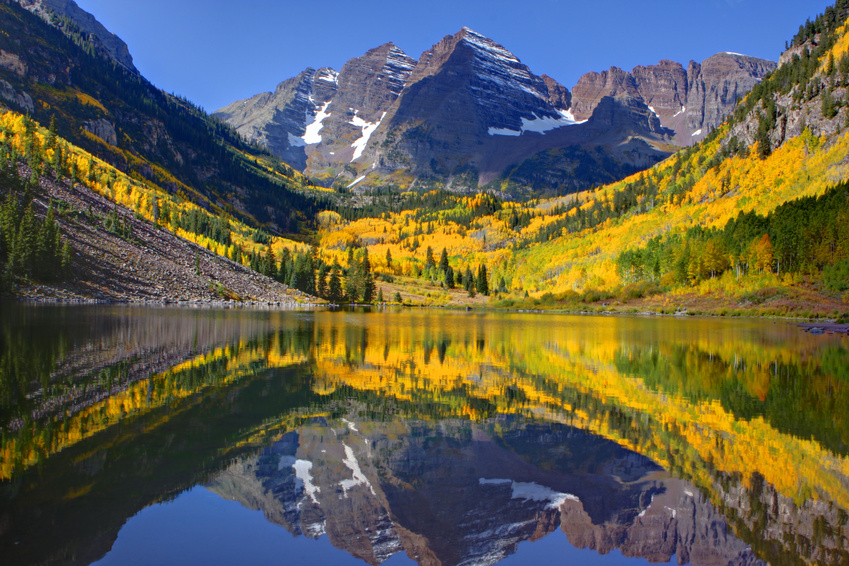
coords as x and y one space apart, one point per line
29 246
808 236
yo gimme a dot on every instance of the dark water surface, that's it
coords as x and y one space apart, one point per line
176 436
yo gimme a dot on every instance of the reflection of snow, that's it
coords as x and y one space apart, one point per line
530 491
643 512
358 477
303 477
302 472
351 425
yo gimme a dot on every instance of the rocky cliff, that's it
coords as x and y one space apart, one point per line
688 102
105 42
468 113
460 494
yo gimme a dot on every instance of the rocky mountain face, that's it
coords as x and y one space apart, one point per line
690 102
468 113
106 42
458 494
51 70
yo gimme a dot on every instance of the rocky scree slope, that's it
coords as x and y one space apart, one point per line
51 71
149 265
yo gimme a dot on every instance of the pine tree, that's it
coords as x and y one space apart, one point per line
334 285
321 284
449 278
482 282
366 277
429 261
469 282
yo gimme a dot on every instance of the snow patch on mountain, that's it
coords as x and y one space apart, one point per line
539 125
311 132
357 180
328 75
483 43
368 129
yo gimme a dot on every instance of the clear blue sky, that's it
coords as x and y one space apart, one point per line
217 51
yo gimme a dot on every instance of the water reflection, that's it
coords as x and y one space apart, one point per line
451 437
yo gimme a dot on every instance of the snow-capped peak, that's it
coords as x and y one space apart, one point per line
328 75
489 47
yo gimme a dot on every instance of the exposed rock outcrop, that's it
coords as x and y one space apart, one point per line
688 102
469 112
106 42
456 494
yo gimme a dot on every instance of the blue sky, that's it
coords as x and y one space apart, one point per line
217 51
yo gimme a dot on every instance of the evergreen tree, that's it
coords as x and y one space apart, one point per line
481 282
321 284
429 261
448 279
366 277
469 282
334 285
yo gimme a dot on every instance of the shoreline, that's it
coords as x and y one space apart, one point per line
807 324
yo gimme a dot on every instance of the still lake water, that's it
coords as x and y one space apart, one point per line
171 436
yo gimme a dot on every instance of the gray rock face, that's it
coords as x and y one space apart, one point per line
368 87
456 493
104 129
469 111
688 102
22 99
715 86
279 119
109 43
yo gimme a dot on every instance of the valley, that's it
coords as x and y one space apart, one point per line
557 207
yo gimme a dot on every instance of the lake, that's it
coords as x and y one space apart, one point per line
418 436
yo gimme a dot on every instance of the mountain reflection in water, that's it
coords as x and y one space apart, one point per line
446 437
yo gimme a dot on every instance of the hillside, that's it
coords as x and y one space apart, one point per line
74 228
59 72
786 141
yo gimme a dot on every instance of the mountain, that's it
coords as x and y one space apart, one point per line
72 19
83 81
377 489
691 102
469 113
